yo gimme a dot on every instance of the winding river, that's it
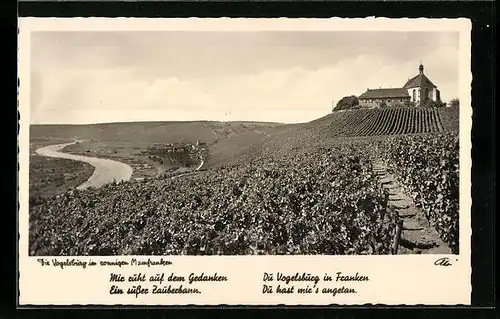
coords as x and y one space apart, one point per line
106 171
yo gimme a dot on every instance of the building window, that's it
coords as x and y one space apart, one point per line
414 95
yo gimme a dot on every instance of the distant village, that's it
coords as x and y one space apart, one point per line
183 154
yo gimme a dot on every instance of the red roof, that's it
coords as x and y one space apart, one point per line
384 93
419 81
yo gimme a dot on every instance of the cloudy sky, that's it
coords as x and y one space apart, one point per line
92 77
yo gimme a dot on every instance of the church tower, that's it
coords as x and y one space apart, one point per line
421 89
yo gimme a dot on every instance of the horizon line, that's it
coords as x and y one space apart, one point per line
167 121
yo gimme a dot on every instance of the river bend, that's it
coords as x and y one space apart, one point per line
106 170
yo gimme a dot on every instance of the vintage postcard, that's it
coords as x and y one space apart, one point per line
244 161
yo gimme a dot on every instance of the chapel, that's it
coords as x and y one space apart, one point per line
418 90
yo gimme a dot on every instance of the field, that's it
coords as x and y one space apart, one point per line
268 188
51 176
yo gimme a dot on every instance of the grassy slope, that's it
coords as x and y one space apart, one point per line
150 132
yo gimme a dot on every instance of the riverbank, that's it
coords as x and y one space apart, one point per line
118 151
105 170
51 176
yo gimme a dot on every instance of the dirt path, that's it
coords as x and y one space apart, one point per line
190 173
418 237
199 166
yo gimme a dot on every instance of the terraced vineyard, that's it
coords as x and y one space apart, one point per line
392 121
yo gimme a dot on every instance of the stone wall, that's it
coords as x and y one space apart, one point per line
372 103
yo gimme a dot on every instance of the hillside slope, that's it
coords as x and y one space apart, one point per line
389 121
150 132
333 128
230 142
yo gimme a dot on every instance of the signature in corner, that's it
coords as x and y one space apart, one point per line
445 261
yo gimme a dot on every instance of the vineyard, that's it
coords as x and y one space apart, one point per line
391 121
276 207
428 168
307 189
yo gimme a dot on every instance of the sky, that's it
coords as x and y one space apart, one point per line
96 77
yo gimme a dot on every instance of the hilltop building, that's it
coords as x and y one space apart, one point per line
418 90
379 97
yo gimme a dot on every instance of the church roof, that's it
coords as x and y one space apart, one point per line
419 81
384 93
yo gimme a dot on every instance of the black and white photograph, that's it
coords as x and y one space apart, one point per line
244 143
295 161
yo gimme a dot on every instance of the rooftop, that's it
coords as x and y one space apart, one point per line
419 81
384 93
